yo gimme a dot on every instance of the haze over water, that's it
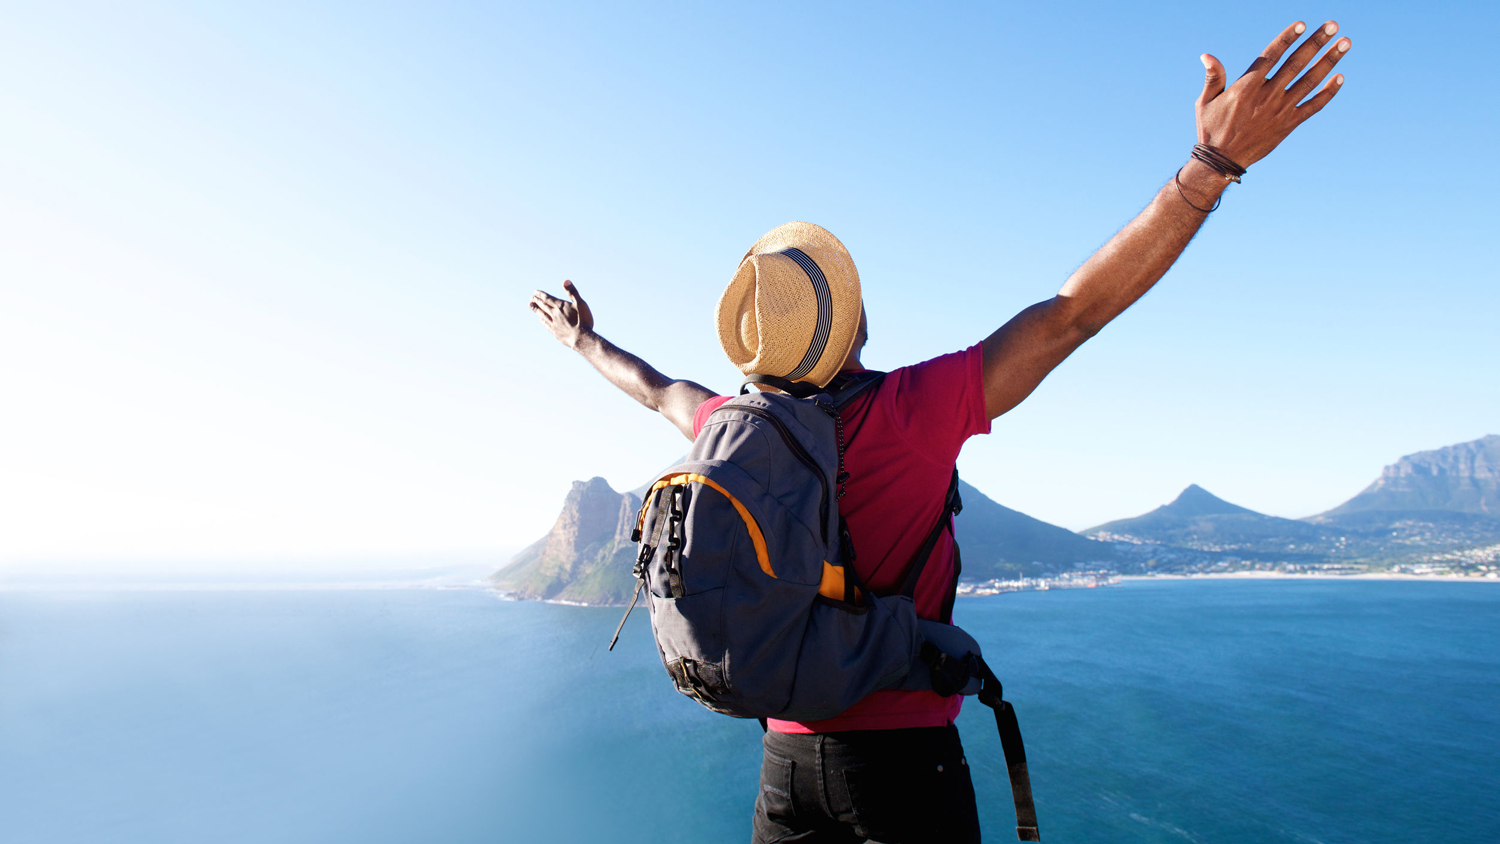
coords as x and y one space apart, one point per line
1298 711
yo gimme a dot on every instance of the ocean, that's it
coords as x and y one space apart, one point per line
1221 711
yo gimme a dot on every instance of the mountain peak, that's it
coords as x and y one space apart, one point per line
1197 501
1193 509
595 484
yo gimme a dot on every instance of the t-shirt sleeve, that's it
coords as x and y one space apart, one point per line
700 416
939 403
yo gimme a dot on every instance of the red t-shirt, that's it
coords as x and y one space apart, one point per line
901 441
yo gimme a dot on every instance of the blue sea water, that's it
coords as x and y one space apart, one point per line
1160 711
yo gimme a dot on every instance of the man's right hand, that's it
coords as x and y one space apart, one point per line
572 323
569 322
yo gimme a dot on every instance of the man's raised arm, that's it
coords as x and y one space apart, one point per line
1243 124
573 324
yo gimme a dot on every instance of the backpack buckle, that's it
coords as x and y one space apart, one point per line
949 674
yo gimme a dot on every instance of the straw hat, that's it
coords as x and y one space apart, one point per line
793 307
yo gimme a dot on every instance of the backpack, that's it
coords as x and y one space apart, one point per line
748 572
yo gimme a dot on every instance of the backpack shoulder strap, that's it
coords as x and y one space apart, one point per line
799 389
848 386
843 389
953 504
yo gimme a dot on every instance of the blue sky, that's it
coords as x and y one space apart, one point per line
263 271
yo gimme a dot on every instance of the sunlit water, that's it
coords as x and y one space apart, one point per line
1298 711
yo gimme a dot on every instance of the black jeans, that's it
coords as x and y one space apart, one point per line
891 786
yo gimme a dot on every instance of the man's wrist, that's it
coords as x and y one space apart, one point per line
586 342
1201 183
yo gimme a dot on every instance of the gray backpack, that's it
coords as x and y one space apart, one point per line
749 578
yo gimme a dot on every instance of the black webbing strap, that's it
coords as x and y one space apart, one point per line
846 559
950 675
848 386
990 694
958 570
952 504
672 559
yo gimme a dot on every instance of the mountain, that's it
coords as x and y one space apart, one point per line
1435 508
1463 478
1425 510
586 557
1438 505
996 541
1199 520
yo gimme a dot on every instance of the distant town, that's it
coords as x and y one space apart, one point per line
1068 580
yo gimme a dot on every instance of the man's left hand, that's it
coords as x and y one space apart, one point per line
1247 120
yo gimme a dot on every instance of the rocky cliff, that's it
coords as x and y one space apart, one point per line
586 557
1436 509
1463 478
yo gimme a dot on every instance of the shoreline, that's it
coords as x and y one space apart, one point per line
334 586
1283 575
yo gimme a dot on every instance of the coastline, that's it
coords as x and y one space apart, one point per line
967 589
1091 580
1283 575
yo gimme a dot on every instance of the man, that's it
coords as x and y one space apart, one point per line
892 768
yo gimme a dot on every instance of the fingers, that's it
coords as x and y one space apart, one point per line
572 292
1314 105
1213 79
1315 74
1272 53
1304 54
541 312
544 305
553 309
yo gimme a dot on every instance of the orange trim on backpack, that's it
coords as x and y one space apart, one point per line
832 586
758 539
640 517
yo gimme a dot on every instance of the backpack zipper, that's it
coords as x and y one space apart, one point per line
801 454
